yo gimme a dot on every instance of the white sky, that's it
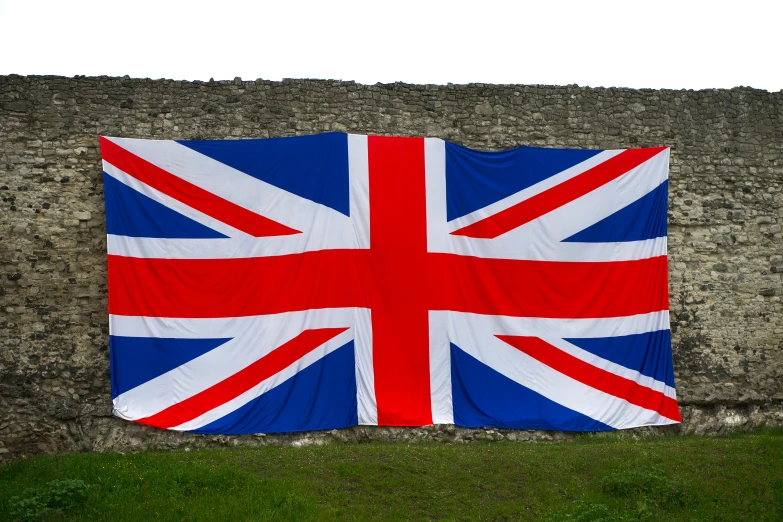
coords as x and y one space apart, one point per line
649 43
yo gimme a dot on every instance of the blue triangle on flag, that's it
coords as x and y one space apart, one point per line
482 397
131 213
475 179
314 167
648 353
645 218
136 360
320 397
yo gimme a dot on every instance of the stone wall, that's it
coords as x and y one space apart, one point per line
725 240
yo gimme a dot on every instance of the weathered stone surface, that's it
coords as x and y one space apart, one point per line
725 216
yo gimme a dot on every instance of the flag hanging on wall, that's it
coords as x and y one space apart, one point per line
325 281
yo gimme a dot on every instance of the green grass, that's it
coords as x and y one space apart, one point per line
593 478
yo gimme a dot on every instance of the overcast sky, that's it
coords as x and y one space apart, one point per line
651 43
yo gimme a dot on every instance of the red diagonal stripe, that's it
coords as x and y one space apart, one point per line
594 377
557 196
192 195
230 388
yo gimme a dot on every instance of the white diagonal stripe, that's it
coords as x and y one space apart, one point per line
233 185
597 204
544 380
266 385
322 227
540 239
253 338
176 205
611 367
533 190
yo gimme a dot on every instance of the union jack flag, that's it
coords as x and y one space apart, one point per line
325 281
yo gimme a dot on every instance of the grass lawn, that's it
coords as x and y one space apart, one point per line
594 478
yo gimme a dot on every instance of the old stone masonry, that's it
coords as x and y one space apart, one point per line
725 238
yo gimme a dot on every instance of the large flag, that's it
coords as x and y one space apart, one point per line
325 281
